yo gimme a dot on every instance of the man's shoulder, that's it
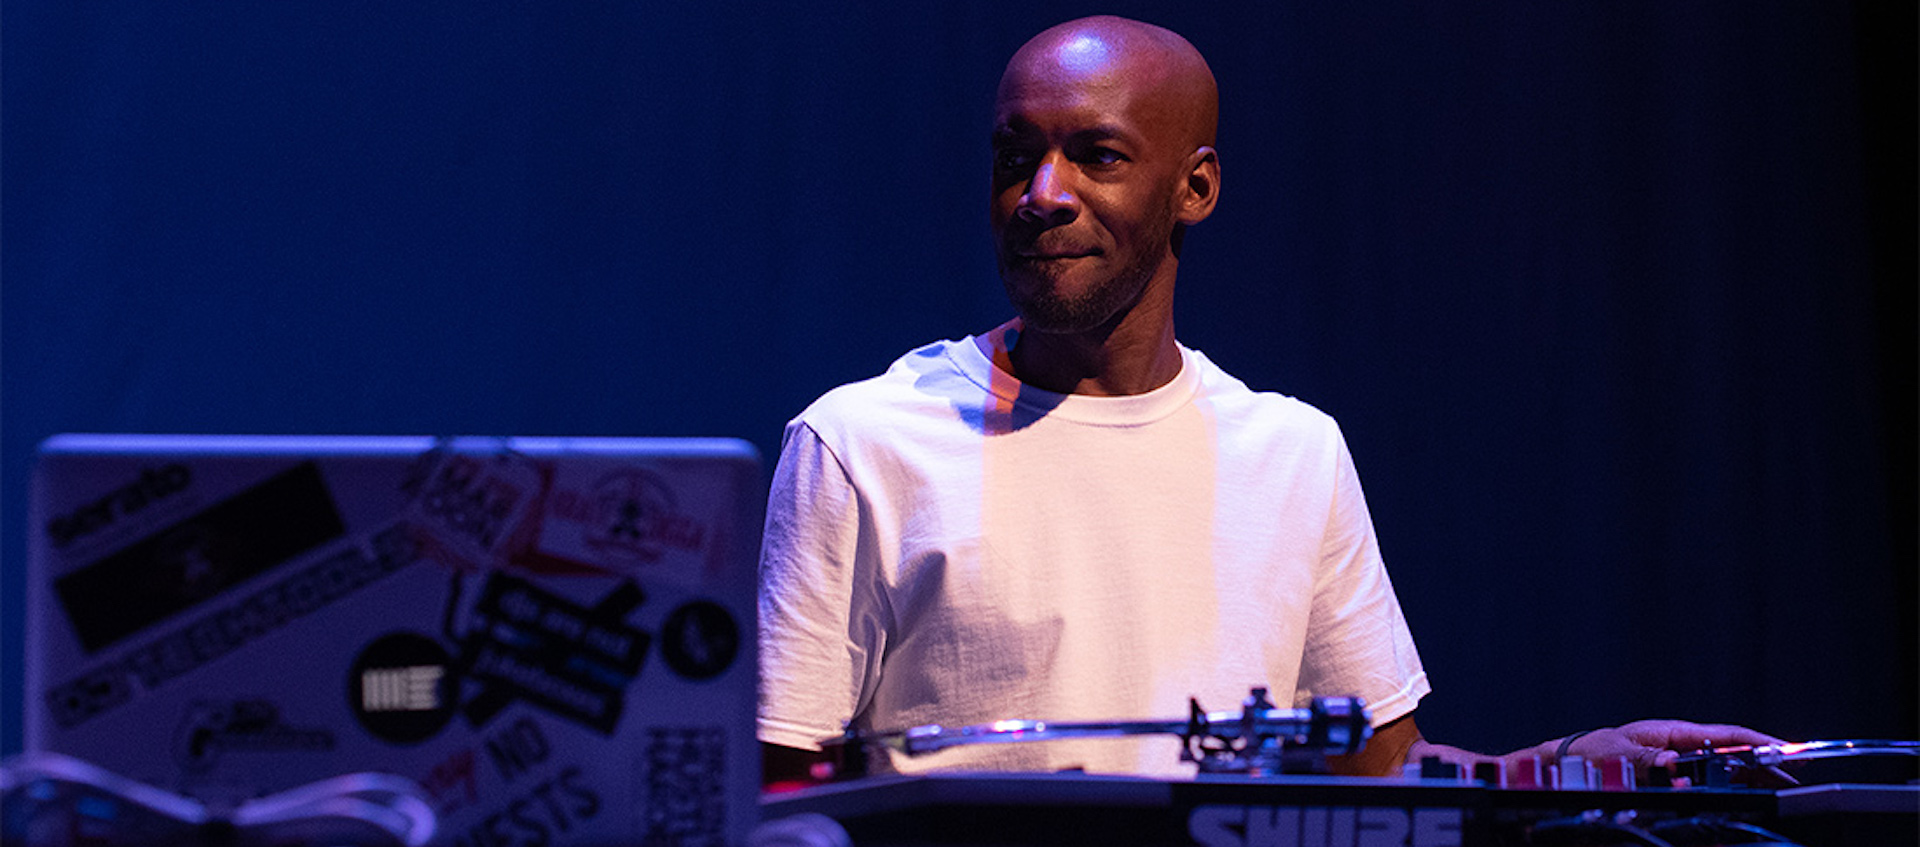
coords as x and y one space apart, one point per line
1234 400
910 386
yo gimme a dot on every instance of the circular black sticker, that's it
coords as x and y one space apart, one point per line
402 688
699 640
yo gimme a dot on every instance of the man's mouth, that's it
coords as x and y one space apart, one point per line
1043 252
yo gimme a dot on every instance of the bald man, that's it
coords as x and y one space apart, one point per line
1073 516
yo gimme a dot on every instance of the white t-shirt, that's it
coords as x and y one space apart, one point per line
946 545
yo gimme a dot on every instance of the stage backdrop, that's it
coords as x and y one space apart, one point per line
1614 301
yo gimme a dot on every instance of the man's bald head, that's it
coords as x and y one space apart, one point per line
1166 75
1103 155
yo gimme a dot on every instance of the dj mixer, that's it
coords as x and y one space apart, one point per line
1252 788
1325 811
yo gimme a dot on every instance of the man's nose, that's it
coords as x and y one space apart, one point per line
1049 199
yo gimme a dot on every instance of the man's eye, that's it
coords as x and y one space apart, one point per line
1104 156
1013 160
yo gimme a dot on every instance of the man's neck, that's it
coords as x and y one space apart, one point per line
1075 364
1134 356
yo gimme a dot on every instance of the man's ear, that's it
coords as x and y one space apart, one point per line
1202 189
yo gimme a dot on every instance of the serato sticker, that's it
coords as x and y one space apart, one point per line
154 486
699 640
182 566
402 688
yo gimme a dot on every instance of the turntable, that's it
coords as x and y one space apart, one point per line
1259 780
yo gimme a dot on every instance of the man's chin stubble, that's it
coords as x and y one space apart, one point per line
1049 312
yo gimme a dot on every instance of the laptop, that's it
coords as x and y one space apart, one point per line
552 636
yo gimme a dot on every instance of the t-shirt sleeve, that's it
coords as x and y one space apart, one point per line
817 650
1358 643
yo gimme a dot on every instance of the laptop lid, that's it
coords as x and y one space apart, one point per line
553 636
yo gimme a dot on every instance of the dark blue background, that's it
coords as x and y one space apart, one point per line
1614 300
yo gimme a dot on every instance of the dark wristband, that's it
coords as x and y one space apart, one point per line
1567 743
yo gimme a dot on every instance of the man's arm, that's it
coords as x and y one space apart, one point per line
782 764
808 606
1650 743
1385 752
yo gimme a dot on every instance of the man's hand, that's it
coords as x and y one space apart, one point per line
1657 743
1647 744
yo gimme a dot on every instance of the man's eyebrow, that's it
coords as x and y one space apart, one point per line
1016 128
1011 128
1104 132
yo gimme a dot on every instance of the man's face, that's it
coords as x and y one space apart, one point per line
1085 170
